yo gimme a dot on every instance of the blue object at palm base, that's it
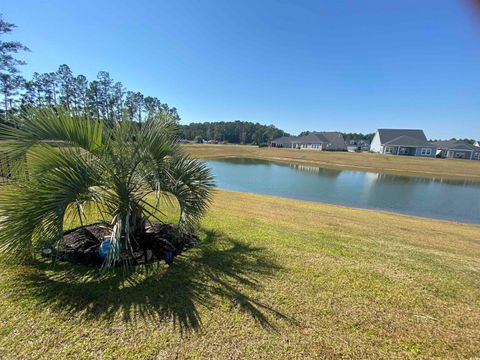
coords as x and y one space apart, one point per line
104 248
168 257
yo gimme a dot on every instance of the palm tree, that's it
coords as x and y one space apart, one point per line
76 163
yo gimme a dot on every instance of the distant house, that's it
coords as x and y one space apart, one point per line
457 149
283 142
405 142
477 144
332 141
358 145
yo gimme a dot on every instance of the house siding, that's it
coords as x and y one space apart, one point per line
376 146
317 147
458 150
418 151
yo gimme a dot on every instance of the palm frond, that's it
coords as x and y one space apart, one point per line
53 126
190 181
76 163
32 212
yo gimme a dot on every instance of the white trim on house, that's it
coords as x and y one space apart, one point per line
426 151
389 149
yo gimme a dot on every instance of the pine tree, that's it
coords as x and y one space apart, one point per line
135 104
10 80
118 99
9 85
106 97
80 91
93 99
67 85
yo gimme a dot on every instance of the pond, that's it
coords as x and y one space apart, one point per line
428 197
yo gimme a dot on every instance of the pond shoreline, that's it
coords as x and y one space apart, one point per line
443 199
453 169
355 208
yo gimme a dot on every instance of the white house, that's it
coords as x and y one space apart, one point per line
319 141
407 142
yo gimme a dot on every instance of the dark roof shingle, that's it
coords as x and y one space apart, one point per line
405 140
387 135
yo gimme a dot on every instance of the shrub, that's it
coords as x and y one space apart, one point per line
75 162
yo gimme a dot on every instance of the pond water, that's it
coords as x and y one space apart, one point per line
428 197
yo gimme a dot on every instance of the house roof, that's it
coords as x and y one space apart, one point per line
312 138
387 135
323 137
455 145
329 135
284 139
405 140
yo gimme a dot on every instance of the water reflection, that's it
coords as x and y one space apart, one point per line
412 179
316 170
436 198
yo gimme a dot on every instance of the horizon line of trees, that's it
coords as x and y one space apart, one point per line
348 136
235 132
102 98
470 141
244 132
358 136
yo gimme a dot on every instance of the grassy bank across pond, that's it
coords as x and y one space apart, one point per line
273 278
390 164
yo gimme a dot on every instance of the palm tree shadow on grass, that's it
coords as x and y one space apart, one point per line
219 267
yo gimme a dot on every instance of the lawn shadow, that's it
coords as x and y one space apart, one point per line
220 267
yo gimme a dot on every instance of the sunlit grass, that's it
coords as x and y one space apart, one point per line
166 210
273 277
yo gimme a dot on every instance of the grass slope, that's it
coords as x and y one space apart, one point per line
400 165
273 278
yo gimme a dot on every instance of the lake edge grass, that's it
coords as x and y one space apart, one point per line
274 277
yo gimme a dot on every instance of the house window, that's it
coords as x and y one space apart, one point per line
389 150
426 151
476 156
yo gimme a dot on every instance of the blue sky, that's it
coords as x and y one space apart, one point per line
345 65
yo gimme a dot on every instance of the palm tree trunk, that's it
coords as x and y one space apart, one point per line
137 222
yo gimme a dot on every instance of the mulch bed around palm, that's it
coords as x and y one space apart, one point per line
81 245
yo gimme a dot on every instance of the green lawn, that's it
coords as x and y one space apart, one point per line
273 278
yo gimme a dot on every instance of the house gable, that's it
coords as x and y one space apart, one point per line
387 135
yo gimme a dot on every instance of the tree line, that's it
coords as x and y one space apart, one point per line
102 97
236 132
469 141
242 132
107 99
348 136
358 136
